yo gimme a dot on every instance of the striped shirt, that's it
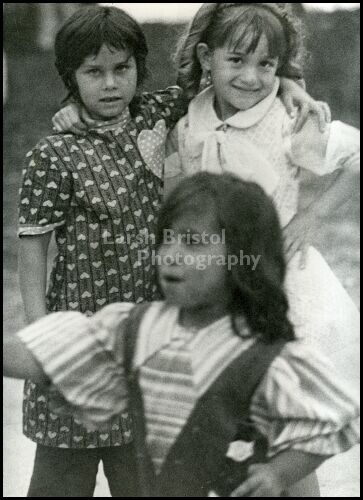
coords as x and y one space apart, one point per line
300 404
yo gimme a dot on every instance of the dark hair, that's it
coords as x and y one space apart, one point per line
236 23
84 33
251 224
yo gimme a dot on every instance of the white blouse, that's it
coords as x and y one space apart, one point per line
259 145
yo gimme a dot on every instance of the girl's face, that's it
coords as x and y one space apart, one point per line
192 270
241 80
107 82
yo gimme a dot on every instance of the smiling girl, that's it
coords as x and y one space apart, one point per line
238 124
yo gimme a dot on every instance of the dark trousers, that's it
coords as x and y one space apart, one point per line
60 472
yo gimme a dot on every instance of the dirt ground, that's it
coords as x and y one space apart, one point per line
26 120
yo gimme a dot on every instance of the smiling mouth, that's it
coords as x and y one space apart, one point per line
252 91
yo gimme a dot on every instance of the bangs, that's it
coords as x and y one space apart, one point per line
95 34
242 29
84 34
191 199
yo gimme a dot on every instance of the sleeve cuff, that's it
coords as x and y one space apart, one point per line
29 230
332 442
78 365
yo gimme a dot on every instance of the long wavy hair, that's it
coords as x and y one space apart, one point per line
237 24
251 224
83 35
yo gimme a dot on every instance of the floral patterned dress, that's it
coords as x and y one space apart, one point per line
100 195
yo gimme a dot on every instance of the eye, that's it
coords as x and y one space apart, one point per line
93 71
268 64
121 68
235 60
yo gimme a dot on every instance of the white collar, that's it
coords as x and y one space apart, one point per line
202 112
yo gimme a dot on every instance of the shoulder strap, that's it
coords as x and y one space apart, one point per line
144 468
131 329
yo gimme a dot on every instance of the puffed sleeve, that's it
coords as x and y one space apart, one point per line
46 192
169 104
325 152
82 357
303 405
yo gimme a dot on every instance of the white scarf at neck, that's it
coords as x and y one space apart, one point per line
225 152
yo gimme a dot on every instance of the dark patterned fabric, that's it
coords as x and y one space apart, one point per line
100 195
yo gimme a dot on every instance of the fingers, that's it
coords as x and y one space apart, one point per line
289 105
320 109
327 114
304 255
301 117
290 249
249 488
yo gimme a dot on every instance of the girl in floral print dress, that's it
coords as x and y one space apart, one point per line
99 195
92 192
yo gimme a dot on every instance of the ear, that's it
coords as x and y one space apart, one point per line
204 55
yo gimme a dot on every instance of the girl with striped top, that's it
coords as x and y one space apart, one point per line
224 399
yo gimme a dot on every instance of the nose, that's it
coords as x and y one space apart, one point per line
248 76
169 252
110 81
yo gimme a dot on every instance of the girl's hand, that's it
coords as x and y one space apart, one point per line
293 96
262 482
297 236
68 119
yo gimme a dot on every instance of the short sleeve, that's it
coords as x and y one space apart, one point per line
46 192
169 104
82 357
325 152
303 405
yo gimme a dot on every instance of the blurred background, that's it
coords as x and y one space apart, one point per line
32 93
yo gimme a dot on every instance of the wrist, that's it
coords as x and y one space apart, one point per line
34 315
278 478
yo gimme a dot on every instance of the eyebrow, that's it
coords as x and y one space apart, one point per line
91 64
236 53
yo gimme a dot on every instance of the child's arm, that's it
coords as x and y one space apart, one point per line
32 267
333 192
18 362
307 413
81 356
276 476
293 95
333 157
